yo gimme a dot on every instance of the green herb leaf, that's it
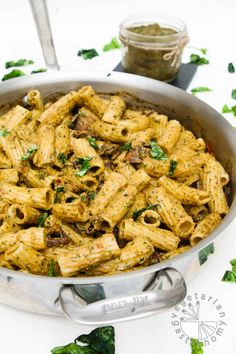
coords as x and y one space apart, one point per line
101 340
173 165
233 94
87 53
58 192
114 44
93 142
156 152
72 348
29 152
231 68
230 275
196 59
12 74
20 62
196 346
200 89
41 219
138 212
205 252
62 158
203 50
126 147
3 133
41 70
85 162
51 269
227 109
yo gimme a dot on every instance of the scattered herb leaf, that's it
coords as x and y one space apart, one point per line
114 44
51 269
230 275
126 147
85 166
227 109
202 50
233 94
29 152
41 70
196 59
231 68
87 196
205 252
93 142
62 158
156 152
200 89
58 192
12 74
173 165
87 53
20 62
3 133
72 348
138 212
41 219
196 346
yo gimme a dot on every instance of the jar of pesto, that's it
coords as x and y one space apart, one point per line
152 45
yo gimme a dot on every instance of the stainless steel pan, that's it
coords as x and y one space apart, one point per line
96 300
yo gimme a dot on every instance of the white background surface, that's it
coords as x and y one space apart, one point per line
91 23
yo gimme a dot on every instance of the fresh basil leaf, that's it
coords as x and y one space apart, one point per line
114 44
58 191
14 73
126 147
156 152
233 94
87 196
231 68
87 53
138 212
41 219
72 348
205 252
29 152
200 89
51 269
227 109
62 158
93 142
85 166
203 50
196 346
196 59
3 133
101 340
173 165
230 275
20 62
41 70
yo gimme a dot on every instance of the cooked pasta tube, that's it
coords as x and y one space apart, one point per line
9 175
12 147
7 225
150 217
16 116
139 179
83 149
171 212
33 178
158 122
45 155
134 253
110 132
5 162
34 237
114 110
156 168
55 252
125 169
95 103
69 212
204 228
142 137
111 186
187 165
41 198
35 100
190 178
102 249
3 208
4 263
23 214
198 212
185 194
170 135
26 258
62 144
75 183
174 253
74 236
140 202
117 208
159 238
55 113
133 125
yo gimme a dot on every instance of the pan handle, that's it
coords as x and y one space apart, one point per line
166 289
42 22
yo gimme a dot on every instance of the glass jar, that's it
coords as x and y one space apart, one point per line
152 45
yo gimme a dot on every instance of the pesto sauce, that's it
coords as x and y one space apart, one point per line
152 30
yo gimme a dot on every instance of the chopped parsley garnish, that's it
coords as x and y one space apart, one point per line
41 219
156 152
230 275
227 109
114 44
88 196
62 158
20 62
85 166
200 89
138 212
93 142
100 341
41 70
173 165
231 68
51 269
87 53
3 133
126 147
29 152
58 192
196 59
233 94
196 346
12 74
